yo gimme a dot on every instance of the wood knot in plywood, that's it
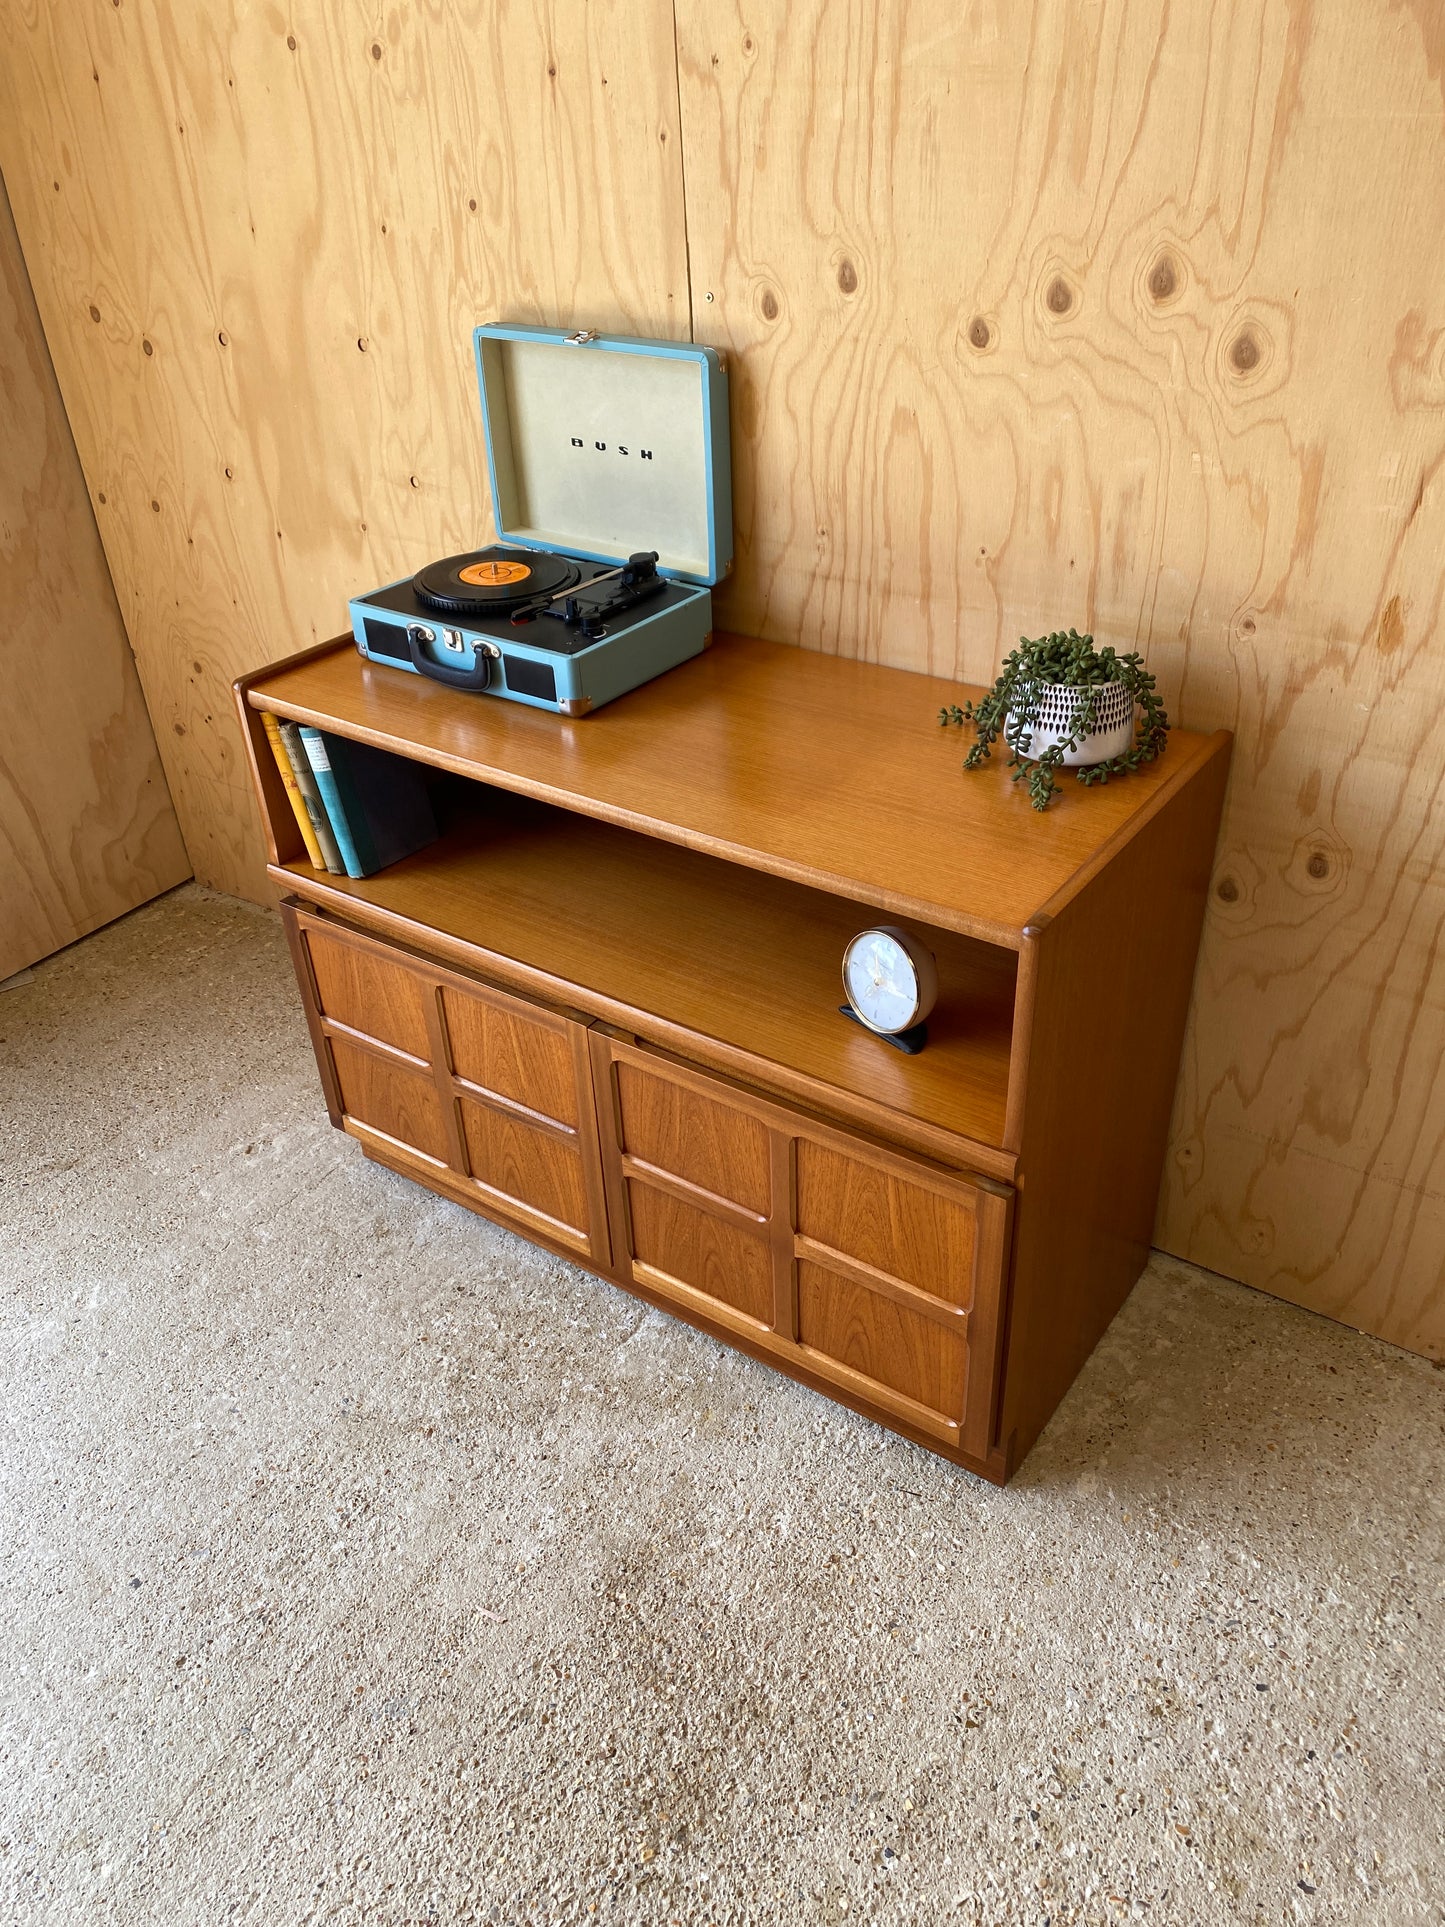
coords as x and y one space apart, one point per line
1252 350
1163 278
1324 859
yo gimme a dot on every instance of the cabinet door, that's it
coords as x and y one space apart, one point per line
489 1091
692 1191
865 1267
900 1273
371 1024
524 1102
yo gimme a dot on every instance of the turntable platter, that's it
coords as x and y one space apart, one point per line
493 581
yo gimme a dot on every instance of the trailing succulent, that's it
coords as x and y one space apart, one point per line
1011 710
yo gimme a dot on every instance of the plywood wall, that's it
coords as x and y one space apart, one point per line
86 826
260 239
1113 312
1132 315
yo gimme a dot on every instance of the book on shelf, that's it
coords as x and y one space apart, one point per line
377 803
305 821
311 796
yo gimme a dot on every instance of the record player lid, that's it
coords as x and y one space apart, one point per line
604 445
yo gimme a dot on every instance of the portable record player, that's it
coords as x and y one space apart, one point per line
612 496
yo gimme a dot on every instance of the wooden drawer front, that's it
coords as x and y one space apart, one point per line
396 1099
863 1266
368 992
492 1088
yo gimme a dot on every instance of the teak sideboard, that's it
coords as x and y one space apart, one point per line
603 1010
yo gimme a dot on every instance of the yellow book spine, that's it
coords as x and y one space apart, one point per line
298 801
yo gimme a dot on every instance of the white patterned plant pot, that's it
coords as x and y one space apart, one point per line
1059 705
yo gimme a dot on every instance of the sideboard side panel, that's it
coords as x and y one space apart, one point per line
1112 974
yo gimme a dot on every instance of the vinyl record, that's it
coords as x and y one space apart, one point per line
491 581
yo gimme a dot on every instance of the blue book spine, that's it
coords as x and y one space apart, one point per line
321 768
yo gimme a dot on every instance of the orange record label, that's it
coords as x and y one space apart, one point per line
490 575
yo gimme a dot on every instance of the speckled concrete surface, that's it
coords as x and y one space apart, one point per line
362 1563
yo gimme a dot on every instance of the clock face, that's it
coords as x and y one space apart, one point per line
881 981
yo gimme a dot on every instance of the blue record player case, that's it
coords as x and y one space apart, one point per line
611 476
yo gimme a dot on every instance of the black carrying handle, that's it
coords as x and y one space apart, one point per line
479 676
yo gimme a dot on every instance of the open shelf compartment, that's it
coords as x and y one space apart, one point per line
658 936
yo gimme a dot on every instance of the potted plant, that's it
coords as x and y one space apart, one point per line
1059 702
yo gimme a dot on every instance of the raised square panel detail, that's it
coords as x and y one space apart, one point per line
868 1212
537 1167
882 1340
403 1103
711 1144
713 1256
369 993
514 1052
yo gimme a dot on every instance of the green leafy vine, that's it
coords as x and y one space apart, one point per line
1012 709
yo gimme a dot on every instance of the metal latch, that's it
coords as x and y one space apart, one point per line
581 338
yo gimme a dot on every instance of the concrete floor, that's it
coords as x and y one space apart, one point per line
361 1562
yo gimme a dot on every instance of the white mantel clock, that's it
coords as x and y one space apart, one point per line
891 981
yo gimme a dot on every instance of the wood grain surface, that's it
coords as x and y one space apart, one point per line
261 239
833 774
1130 315
673 1240
87 830
879 1279
642 933
1104 999
522 1057
366 992
397 1099
426 1059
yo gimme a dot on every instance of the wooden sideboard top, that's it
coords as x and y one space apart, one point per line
834 773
